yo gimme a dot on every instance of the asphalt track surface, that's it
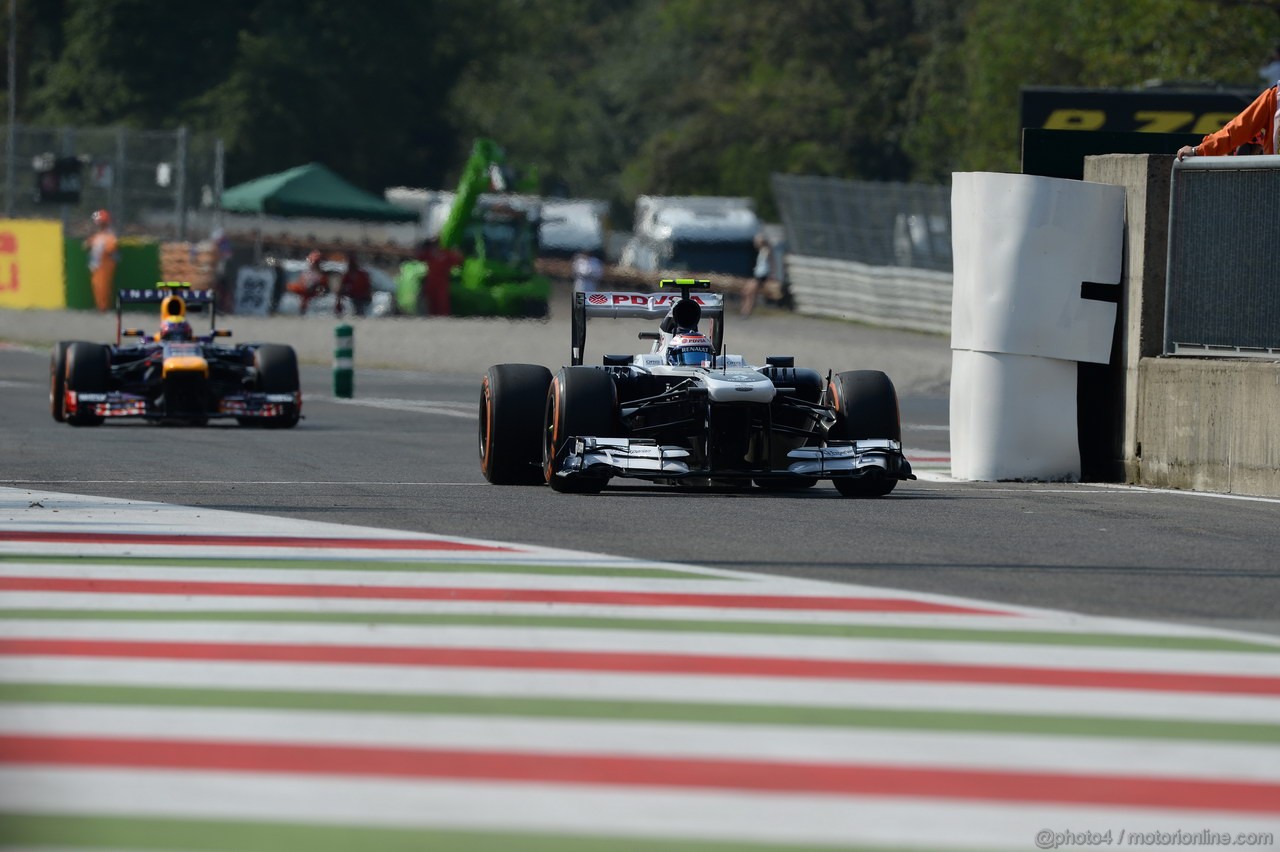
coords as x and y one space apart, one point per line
402 455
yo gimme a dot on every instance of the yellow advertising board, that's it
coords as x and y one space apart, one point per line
31 264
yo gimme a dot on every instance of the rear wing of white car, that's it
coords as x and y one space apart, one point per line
652 306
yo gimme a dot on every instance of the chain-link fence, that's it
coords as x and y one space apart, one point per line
878 224
153 181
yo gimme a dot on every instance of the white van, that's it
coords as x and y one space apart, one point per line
693 233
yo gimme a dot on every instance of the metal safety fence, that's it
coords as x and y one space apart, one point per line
874 252
1221 297
152 181
879 224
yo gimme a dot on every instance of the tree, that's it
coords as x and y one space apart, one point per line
133 61
284 82
326 81
613 98
1009 44
548 83
804 87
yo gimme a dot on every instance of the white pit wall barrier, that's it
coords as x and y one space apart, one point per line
1023 247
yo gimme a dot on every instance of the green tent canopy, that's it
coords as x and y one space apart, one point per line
311 190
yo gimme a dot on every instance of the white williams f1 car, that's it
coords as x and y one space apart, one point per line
685 412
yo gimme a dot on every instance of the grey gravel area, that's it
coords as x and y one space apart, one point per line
917 363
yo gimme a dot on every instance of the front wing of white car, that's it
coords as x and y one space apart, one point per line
645 459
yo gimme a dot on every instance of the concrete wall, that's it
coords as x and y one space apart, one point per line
1209 424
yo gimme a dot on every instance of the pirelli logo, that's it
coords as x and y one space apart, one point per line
1143 120
1197 111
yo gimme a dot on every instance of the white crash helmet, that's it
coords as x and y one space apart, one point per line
689 350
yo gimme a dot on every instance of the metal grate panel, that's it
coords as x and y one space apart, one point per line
1222 297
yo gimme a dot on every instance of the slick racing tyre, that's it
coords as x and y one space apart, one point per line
88 370
277 368
866 406
513 398
58 380
582 401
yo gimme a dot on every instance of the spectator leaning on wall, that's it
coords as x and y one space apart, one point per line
1254 126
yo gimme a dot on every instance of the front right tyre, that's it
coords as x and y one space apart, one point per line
581 402
866 405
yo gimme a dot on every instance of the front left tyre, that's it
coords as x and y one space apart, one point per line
87 371
513 398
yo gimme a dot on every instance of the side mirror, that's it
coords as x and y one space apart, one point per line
133 332
649 335
222 332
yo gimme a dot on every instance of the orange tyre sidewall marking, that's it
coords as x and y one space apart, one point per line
555 427
487 395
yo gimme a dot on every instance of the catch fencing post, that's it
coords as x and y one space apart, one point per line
344 361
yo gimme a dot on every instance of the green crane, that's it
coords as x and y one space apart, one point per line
498 243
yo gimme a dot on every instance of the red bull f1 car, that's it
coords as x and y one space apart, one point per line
685 412
174 375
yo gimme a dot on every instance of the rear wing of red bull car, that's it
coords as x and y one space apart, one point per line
196 301
653 306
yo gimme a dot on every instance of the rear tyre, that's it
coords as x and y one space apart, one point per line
58 380
581 401
513 399
277 367
866 406
88 370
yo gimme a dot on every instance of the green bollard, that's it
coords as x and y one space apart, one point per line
343 361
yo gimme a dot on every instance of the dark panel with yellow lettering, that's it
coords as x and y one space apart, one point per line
1153 110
